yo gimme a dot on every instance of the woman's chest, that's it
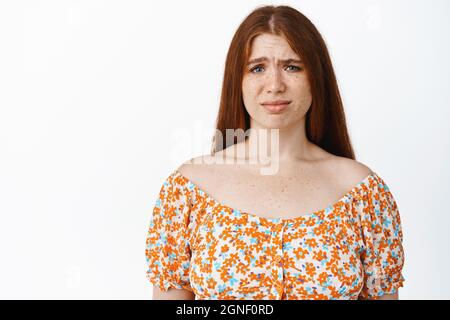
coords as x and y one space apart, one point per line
276 196
240 257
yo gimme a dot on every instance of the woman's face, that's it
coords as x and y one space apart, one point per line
273 78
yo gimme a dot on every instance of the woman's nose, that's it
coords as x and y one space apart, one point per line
275 81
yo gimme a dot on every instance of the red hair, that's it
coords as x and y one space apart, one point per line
325 123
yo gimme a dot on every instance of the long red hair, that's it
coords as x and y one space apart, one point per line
325 123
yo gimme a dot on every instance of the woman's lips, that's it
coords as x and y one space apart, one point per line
275 108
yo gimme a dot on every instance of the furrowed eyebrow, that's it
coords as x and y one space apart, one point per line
261 59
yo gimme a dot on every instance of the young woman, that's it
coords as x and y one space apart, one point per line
318 225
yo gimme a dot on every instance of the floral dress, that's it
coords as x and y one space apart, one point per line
351 249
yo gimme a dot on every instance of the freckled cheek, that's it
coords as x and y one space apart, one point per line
302 92
251 91
251 86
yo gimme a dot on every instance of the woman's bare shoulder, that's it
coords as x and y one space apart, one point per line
349 171
206 165
199 169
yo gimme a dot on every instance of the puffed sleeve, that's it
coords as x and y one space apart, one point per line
382 252
167 249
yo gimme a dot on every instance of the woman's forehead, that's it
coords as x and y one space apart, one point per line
270 46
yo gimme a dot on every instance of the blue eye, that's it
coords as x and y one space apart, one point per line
298 68
254 68
257 67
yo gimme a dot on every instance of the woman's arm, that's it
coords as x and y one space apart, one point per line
172 294
389 297
384 297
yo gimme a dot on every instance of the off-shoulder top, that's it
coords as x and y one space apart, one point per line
351 249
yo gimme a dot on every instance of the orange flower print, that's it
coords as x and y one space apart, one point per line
199 244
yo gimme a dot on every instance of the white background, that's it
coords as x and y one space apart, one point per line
95 94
